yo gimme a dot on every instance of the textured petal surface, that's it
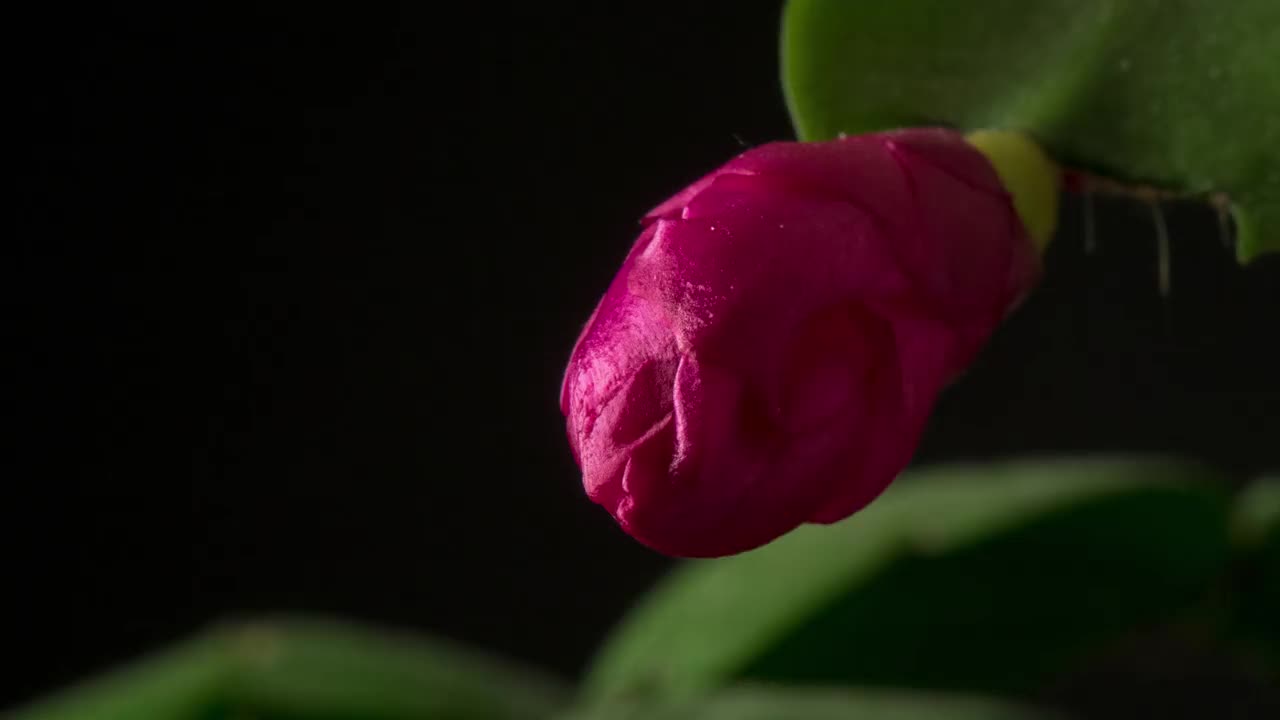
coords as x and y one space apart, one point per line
771 348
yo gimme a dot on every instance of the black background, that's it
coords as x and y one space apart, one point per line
292 291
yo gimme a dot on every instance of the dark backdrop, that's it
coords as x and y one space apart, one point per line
292 290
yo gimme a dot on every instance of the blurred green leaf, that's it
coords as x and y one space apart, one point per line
321 669
1256 519
1256 527
988 578
1184 94
308 669
763 703
179 684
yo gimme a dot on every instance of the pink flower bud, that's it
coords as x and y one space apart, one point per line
772 347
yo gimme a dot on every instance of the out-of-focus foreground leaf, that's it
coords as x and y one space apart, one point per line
1184 94
1256 527
296 669
772 703
988 578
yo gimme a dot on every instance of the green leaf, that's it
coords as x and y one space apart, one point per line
1256 519
1256 527
987 578
321 669
183 683
308 669
763 703
1182 94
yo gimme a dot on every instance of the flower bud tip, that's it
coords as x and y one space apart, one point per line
1030 176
